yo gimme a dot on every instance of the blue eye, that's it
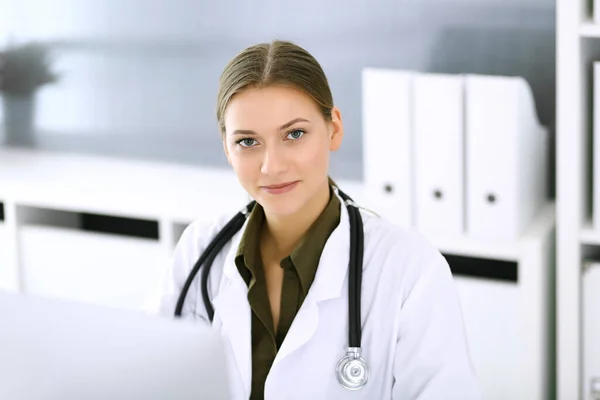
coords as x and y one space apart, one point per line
296 134
246 142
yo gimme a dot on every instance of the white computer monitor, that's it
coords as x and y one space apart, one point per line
58 349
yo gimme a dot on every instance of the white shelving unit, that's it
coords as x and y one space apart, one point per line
514 360
42 245
578 45
589 29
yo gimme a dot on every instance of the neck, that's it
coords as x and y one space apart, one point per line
283 233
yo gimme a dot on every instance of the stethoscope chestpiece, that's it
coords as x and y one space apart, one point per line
352 372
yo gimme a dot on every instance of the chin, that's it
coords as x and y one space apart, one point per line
281 205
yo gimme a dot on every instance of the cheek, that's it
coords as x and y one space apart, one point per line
244 163
317 156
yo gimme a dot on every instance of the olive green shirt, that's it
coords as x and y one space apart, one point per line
299 267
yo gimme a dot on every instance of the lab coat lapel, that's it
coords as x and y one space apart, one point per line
233 311
328 284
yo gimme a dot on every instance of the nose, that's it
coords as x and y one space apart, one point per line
274 162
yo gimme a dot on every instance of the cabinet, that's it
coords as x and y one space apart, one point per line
104 269
8 271
578 46
103 230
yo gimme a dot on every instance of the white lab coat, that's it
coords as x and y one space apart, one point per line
413 337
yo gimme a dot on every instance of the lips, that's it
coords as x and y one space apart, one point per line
280 186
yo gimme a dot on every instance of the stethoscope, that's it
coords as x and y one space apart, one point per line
351 371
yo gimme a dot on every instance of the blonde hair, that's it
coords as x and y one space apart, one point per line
276 63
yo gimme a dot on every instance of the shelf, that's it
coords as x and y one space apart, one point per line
179 193
113 186
44 191
589 235
576 48
8 271
468 247
52 266
589 29
506 251
122 187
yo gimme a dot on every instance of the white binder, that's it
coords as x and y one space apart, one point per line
387 143
439 153
506 157
591 331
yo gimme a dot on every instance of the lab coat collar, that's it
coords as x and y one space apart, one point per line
333 263
233 311
232 308
328 284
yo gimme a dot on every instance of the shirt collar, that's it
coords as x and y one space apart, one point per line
304 258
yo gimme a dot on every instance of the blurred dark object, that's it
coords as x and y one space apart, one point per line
23 69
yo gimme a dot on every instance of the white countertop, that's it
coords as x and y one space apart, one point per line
117 186
173 192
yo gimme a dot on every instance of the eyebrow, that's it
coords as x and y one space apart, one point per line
282 127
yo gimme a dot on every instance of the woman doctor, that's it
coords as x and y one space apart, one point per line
280 287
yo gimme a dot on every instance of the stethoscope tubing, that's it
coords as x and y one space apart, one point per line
235 224
208 257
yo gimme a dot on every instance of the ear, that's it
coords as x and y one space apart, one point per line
225 148
337 129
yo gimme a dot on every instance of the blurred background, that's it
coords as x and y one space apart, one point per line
109 148
138 78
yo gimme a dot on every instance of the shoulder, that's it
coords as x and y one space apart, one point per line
401 254
418 299
201 231
399 241
192 243
195 239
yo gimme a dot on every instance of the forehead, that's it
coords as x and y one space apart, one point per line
268 108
